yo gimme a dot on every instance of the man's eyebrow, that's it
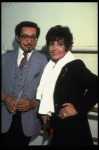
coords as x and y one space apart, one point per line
28 35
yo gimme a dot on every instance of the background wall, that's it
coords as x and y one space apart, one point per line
82 18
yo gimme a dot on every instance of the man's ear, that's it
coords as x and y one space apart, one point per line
17 38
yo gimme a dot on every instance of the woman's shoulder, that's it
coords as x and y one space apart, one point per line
77 63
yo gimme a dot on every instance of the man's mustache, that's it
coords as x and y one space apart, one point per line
28 45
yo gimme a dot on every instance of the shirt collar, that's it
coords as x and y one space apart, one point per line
20 53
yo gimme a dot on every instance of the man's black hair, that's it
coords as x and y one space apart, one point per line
18 28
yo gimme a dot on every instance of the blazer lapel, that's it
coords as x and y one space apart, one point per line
31 69
63 73
11 63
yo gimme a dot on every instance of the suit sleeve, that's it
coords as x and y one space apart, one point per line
4 61
87 80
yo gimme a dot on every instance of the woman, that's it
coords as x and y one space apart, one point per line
62 91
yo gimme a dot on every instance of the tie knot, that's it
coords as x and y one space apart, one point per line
25 54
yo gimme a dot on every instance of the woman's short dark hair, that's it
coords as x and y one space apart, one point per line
18 28
58 32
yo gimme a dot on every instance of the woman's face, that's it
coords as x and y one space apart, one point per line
57 50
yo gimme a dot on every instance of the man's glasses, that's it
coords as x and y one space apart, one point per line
27 37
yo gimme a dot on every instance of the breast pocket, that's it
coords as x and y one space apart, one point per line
36 75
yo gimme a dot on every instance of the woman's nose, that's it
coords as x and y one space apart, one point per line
54 46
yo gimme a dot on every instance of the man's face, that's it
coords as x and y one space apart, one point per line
27 39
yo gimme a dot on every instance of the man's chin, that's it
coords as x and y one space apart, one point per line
28 50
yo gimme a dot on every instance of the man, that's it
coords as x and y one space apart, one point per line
21 73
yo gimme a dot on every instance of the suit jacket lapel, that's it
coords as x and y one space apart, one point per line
31 70
11 63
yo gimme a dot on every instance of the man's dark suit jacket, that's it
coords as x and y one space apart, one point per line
70 87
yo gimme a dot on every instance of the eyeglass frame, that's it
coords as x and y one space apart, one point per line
29 37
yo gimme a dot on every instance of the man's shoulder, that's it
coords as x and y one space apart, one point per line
39 55
7 56
9 53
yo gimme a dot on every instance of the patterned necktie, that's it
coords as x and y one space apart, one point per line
23 61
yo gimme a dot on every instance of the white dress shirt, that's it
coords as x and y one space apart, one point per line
20 56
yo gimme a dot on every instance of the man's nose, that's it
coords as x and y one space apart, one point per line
29 40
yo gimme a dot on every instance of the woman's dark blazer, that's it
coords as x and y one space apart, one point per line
70 87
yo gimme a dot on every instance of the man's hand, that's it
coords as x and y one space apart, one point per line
9 101
25 104
69 110
45 118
